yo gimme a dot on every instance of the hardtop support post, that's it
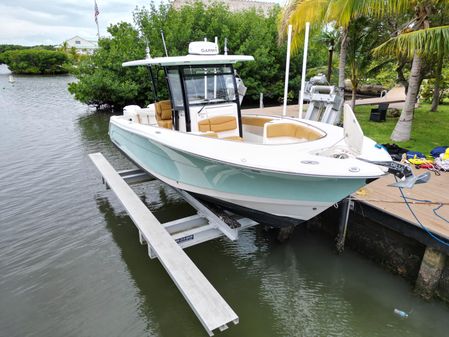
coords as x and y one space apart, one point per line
237 100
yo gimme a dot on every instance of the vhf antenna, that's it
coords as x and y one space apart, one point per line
163 42
147 49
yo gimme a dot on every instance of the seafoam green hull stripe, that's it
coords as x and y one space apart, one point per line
208 174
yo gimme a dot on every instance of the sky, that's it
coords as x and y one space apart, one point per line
35 22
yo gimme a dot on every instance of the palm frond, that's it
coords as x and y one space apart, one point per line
380 8
341 11
423 41
376 68
297 13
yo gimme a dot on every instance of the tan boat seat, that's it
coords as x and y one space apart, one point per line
292 130
164 114
255 121
218 124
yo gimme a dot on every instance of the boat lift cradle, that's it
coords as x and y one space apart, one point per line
325 104
166 241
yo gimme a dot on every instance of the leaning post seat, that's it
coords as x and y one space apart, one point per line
164 114
218 124
223 125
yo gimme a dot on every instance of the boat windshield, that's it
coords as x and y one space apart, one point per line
214 84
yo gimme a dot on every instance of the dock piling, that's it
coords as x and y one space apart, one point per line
285 233
429 273
345 207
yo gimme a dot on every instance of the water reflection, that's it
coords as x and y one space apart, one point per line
94 127
71 264
299 288
166 311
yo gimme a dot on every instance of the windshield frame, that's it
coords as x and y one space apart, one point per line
180 69
210 72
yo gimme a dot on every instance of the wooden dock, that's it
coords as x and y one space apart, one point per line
208 305
389 200
292 110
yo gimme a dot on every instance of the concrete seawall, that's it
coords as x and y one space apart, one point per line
398 246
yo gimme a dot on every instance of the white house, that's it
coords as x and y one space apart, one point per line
81 45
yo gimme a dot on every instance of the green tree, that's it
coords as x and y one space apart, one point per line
248 32
102 81
441 17
34 61
364 35
321 13
329 36
6 47
416 40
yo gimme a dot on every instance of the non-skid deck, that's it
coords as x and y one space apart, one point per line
210 308
389 200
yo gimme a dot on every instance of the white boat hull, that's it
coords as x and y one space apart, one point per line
272 197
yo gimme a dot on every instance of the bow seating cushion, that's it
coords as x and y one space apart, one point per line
292 130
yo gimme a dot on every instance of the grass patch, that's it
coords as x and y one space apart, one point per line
429 129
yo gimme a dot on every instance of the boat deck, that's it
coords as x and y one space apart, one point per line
388 199
292 110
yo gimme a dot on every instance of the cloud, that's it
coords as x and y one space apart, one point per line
30 22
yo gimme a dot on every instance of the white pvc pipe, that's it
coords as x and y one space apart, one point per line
205 79
304 68
287 69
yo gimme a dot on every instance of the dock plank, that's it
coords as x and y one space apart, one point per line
208 305
388 199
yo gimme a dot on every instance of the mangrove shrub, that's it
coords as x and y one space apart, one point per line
103 82
35 61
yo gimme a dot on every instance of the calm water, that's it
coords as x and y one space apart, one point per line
71 264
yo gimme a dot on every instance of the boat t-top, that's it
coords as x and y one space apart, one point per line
276 170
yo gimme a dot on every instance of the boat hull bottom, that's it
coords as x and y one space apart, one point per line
264 218
261 217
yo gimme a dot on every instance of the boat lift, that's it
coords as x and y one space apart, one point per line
325 104
166 241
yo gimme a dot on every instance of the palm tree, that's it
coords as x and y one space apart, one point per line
442 12
415 44
416 37
364 34
319 13
329 38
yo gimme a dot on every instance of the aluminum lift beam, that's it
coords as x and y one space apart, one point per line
208 305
